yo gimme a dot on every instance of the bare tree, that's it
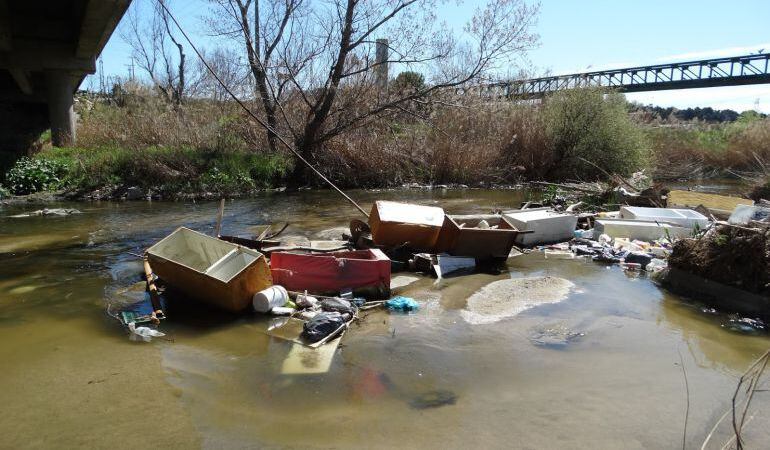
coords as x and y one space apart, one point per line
260 27
229 68
157 51
315 68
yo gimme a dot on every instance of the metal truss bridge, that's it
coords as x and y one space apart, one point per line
733 71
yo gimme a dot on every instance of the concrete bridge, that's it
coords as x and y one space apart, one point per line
47 47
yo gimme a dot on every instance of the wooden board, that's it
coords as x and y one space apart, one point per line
719 204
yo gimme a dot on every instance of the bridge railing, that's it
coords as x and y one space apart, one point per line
739 70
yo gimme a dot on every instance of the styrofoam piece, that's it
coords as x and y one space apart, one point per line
547 226
681 217
638 229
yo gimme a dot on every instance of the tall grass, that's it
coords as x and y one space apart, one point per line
137 139
707 150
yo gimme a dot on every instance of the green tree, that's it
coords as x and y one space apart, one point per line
408 80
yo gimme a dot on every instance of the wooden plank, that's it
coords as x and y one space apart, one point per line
721 204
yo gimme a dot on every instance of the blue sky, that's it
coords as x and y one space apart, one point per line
576 36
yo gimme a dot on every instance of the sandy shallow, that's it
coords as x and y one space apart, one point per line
507 298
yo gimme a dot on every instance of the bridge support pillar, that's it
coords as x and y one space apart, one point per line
61 112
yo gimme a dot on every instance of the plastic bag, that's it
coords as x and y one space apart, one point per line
337 305
322 325
404 304
143 333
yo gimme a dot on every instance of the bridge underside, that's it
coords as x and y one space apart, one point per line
47 47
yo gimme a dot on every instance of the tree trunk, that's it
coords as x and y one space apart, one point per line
301 175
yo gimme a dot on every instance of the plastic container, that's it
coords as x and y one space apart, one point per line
267 299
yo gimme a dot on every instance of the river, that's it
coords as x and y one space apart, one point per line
608 377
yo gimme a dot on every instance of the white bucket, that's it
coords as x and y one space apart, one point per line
270 298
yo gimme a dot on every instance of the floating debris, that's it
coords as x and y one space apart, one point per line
745 325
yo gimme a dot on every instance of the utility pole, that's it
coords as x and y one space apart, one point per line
101 76
381 60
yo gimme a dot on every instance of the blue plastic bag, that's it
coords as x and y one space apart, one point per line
404 304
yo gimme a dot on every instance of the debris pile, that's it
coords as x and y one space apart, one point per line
314 290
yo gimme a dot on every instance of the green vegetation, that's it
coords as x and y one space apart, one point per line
409 80
711 149
30 175
587 125
201 147
166 171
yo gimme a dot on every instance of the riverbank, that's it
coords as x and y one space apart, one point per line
140 147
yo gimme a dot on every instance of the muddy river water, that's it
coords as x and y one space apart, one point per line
598 369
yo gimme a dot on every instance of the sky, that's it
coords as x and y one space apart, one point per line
586 35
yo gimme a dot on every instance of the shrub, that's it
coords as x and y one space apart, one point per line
411 81
587 124
31 175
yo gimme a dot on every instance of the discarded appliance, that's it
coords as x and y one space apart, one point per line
210 270
479 236
641 230
331 273
402 224
681 217
440 265
719 205
546 226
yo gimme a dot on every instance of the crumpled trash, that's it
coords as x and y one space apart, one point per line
143 333
337 305
404 304
638 258
321 325
608 256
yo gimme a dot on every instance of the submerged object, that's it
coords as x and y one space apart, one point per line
209 270
396 224
331 273
477 236
545 226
